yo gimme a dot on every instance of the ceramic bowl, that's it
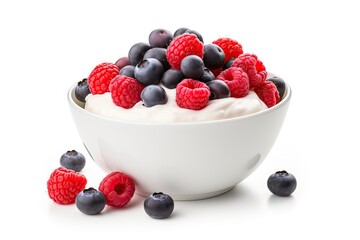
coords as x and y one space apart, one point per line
188 161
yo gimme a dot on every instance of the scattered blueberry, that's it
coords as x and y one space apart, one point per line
279 83
128 71
122 62
192 66
90 201
228 64
180 31
214 56
73 160
207 76
282 183
198 35
171 78
153 95
160 38
218 89
82 90
149 71
159 54
159 205
137 52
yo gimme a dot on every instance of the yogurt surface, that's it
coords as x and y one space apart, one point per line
170 112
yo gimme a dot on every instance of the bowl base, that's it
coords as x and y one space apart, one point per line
191 197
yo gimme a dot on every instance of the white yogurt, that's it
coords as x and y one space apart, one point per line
170 112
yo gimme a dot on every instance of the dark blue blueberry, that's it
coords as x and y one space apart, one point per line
73 160
214 56
159 205
192 66
160 38
171 78
218 89
207 76
128 71
180 31
228 64
282 183
137 52
90 201
198 35
159 54
153 95
82 90
149 71
279 83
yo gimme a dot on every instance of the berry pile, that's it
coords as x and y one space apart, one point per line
175 60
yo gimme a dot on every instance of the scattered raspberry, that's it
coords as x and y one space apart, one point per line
125 91
118 189
254 68
237 81
231 48
182 46
268 93
192 94
64 184
100 77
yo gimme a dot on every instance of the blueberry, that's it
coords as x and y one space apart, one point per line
122 62
160 38
214 56
180 31
82 90
137 51
192 66
149 71
218 89
159 205
73 160
198 35
207 76
90 201
282 183
159 54
128 71
228 64
153 95
171 78
279 83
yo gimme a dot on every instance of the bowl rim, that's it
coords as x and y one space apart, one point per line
286 98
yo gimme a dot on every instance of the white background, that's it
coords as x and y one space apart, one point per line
48 46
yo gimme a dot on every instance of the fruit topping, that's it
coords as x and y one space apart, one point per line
231 47
192 94
149 71
82 90
100 77
125 91
153 95
192 66
219 89
237 81
160 38
268 93
171 78
73 160
279 83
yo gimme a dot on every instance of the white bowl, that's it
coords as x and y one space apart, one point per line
188 161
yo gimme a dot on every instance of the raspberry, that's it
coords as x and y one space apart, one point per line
216 71
64 184
100 77
231 48
118 189
254 68
125 91
192 94
182 46
268 93
237 81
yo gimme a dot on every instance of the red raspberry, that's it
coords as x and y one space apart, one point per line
118 189
64 184
216 71
192 94
268 93
231 48
254 68
125 91
100 77
182 46
237 81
